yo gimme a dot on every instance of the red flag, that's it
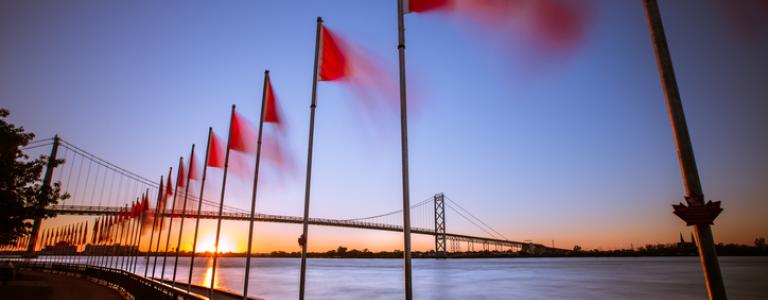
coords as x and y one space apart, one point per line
547 24
192 167
168 189
215 153
363 73
333 61
180 176
418 6
145 214
242 137
272 140
271 111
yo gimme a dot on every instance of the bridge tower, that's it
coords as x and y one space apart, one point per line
440 245
46 187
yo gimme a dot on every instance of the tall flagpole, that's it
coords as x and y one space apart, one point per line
199 207
170 220
183 213
160 222
404 147
697 213
255 185
221 206
303 240
160 193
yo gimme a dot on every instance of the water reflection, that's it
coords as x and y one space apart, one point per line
206 282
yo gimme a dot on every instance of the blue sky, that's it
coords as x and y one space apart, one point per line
575 148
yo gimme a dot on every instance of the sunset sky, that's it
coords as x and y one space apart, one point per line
569 145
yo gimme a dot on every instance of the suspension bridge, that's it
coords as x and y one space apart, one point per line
98 187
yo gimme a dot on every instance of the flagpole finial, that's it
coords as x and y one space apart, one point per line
319 19
266 71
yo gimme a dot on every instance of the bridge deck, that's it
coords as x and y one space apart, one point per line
259 217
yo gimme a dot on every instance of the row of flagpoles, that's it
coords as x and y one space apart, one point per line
334 61
555 21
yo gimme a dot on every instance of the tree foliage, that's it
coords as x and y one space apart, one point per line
23 197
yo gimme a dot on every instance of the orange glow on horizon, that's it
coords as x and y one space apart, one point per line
209 245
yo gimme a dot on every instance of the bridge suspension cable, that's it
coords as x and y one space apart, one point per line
459 209
394 212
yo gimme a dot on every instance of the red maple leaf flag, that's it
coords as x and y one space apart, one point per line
180 175
271 111
333 60
215 153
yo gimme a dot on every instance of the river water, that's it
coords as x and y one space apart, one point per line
503 278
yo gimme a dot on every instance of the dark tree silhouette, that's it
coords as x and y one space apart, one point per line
23 198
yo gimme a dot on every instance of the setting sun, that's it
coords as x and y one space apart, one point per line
209 244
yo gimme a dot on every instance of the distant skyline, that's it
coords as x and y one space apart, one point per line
574 147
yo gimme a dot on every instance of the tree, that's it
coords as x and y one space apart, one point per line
23 198
760 243
341 251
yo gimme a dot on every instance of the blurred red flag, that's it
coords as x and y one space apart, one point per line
550 24
168 189
333 61
192 167
271 111
146 217
274 138
180 175
215 153
362 72
418 6
242 137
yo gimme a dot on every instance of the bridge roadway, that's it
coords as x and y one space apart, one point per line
245 216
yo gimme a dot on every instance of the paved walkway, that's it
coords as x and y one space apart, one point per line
42 285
